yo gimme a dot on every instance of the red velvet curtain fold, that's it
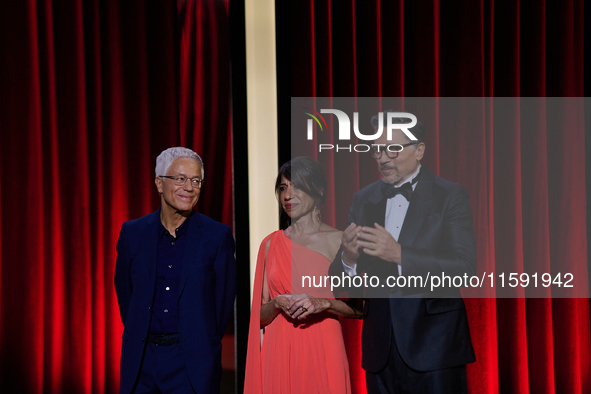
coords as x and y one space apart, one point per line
90 93
527 189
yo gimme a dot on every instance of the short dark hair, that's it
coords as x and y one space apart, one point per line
307 175
418 130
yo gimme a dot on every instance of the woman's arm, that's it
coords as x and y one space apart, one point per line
270 308
306 305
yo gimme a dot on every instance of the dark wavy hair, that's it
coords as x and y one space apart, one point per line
307 175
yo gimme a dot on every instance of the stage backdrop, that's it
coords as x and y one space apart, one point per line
527 191
90 93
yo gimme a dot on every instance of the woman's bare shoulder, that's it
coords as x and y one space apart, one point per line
331 231
332 237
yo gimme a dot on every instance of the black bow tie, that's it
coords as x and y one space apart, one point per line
389 191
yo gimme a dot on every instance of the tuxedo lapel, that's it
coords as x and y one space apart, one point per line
375 208
374 211
420 206
195 232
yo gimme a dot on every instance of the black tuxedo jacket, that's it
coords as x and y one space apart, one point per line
430 332
205 304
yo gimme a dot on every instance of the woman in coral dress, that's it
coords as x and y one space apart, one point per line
302 348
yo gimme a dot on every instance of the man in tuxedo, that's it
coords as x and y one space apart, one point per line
175 281
410 223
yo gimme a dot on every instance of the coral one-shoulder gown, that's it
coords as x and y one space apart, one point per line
297 356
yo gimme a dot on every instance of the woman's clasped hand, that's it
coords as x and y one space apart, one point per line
301 306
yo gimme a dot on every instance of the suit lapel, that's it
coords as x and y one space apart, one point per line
149 250
195 232
375 208
420 206
374 212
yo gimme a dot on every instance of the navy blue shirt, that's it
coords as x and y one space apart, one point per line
169 265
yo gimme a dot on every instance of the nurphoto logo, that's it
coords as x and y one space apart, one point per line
345 128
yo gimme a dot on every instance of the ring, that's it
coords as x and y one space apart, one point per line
304 309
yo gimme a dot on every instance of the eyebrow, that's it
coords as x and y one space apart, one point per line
186 176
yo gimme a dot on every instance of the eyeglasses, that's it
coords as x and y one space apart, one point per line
391 150
180 180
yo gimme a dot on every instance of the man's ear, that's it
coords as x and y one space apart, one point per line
159 186
420 151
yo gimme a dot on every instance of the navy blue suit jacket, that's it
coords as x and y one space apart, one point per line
206 301
430 333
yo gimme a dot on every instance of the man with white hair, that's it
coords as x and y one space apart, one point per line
175 281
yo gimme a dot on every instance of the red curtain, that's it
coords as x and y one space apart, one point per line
527 191
90 93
